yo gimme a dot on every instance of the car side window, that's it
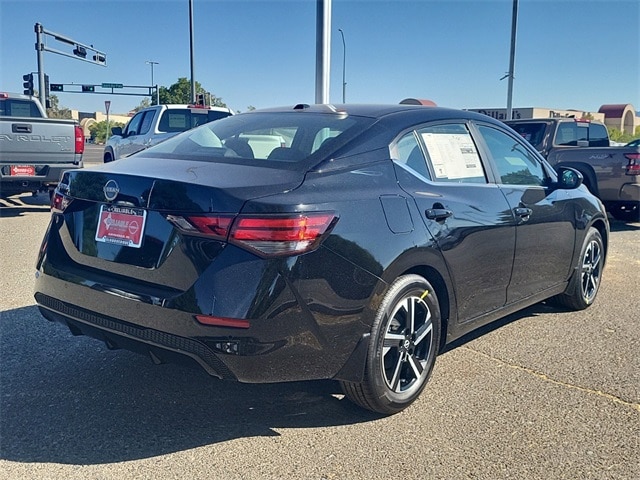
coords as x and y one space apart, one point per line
452 154
134 124
407 152
598 135
145 125
515 164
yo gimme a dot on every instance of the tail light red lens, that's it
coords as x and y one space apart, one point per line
79 139
633 167
266 235
281 235
59 202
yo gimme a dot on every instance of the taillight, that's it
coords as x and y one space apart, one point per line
59 202
216 226
266 235
633 167
79 139
281 235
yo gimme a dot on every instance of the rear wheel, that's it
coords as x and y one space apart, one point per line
404 343
585 281
108 157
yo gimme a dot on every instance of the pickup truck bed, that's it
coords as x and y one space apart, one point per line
34 151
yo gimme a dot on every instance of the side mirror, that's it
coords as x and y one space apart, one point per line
569 178
116 131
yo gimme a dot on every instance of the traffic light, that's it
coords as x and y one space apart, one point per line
80 51
200 99
57 87
46 86
88 88
28 83
99 58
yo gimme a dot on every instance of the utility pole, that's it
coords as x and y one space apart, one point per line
323 49
193 75
152 63
512 60
344 67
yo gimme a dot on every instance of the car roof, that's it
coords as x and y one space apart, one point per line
421 113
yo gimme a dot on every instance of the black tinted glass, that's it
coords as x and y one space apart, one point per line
276 136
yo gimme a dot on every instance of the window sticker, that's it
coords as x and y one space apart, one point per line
454 155
20 109
177 120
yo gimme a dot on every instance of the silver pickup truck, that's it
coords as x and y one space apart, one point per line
610 173
154 124
34 150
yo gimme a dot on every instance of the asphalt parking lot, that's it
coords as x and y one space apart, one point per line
543 394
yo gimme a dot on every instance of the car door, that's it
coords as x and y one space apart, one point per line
467 215
545 216
132 139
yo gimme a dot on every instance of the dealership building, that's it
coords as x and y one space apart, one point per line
619 116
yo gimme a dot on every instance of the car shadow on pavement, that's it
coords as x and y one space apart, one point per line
71 401
18 204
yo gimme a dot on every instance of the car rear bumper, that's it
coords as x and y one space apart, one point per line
289 343
44 175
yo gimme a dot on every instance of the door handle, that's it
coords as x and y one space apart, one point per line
523 212
438 214
21 128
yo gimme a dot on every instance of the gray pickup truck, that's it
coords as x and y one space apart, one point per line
610 173
34 150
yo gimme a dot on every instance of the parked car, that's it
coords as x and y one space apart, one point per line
154 124
633 143
356 252
611 173
34 149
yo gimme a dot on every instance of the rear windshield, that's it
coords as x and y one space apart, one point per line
281 137
177 120
19 108
531 132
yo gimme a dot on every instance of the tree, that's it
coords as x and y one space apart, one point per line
180 93
56 111
99 130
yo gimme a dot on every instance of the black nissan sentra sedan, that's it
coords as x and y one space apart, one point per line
319 242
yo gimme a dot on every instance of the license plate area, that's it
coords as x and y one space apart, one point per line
121 225
23 170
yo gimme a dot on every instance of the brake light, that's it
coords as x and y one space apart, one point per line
266 235
222 321
59 202
216 226
79 139
633 167
281 235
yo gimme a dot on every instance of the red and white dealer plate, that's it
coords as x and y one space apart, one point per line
121 225
23 170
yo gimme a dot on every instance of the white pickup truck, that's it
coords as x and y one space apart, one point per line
34 149
154 124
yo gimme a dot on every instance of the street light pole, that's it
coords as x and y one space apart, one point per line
344 65
152 63
512 60
193 75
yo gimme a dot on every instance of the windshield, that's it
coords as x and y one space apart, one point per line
274 136
532 132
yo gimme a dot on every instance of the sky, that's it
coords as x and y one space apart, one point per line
570 54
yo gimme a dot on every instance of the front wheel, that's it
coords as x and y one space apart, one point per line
585 281
404 343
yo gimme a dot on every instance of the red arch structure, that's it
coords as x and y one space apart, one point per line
621 116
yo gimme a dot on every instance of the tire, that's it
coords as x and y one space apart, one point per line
585 281
108 157
404 343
